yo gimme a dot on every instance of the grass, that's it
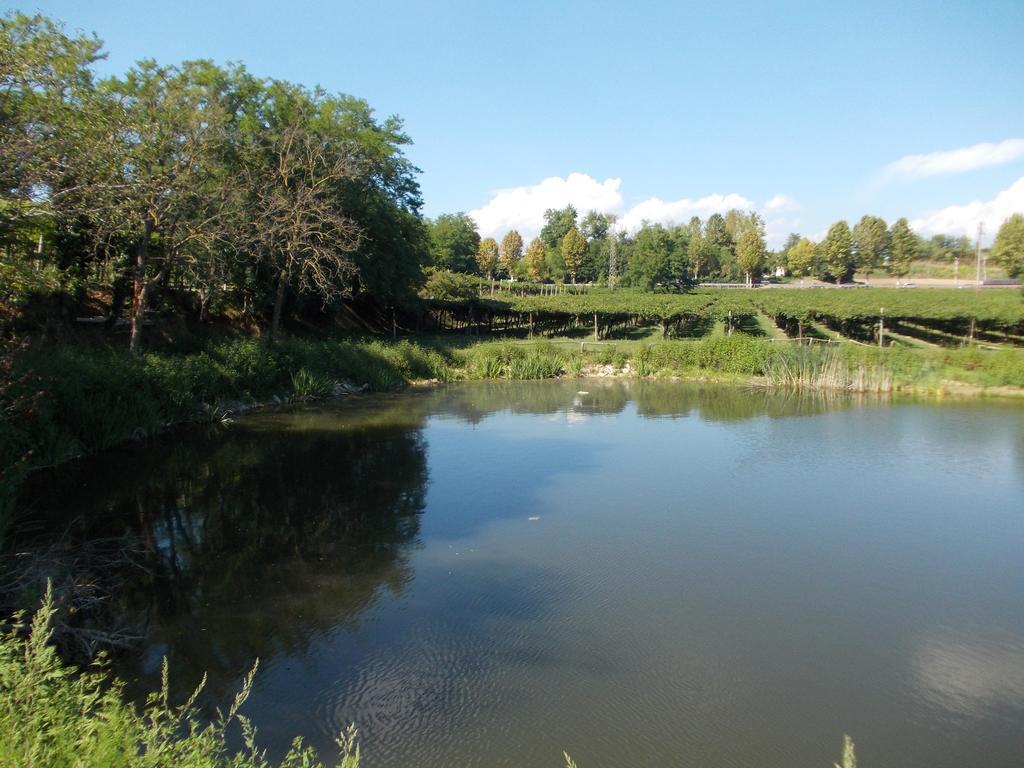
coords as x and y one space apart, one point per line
55 715
95 397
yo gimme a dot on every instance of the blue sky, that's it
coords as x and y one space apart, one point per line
652 110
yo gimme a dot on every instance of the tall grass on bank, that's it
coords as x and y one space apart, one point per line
818 368
54 715
504 360
96 397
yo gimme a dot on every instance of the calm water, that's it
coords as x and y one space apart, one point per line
715 577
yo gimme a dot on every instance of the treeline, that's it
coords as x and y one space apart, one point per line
726 248
238 195
591 250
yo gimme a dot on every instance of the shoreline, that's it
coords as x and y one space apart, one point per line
98 398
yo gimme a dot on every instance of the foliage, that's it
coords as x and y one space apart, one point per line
96 397
195 176
1008 249
487 256
849 759
574 245
837 252
903 248
454 242
51 714
751 252
310 386
657 259
557 223
801 257
450 286
504 360
870 243
511 251
535 259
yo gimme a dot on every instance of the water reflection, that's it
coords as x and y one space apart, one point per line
654 399
699 556
287 512
311 510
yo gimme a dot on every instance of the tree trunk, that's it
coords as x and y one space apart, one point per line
140 288
282 284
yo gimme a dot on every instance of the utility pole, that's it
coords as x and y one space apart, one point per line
977 253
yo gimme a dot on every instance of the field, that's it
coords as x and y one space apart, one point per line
924 317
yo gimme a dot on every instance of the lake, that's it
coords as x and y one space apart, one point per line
640 573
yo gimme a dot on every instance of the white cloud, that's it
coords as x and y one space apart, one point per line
955 160
776 230
522 208
657 211
782 203
964 219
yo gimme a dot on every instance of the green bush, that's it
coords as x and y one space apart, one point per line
54 715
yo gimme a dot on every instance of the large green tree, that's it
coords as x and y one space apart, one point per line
870 243
487 256
574 246
837 252
800 257
751 252
698 248
1008 249
511 251
534 259
903 248
453 242
557 223
650 263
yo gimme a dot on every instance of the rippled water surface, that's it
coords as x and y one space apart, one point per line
641 573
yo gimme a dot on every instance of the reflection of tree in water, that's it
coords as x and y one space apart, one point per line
252 541
653 399
732 403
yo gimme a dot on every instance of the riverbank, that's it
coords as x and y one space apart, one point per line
80 400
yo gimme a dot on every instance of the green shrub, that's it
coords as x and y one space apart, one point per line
54 715
310 386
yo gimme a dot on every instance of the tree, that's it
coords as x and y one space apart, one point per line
751 252
800 257
837 252
534 258
297 227
511 251
574 245
716 232
454 241
650 264
595 226
1008 249
870 243
200 178
487 256
698 247
903 248
154 155
557 223
791 240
